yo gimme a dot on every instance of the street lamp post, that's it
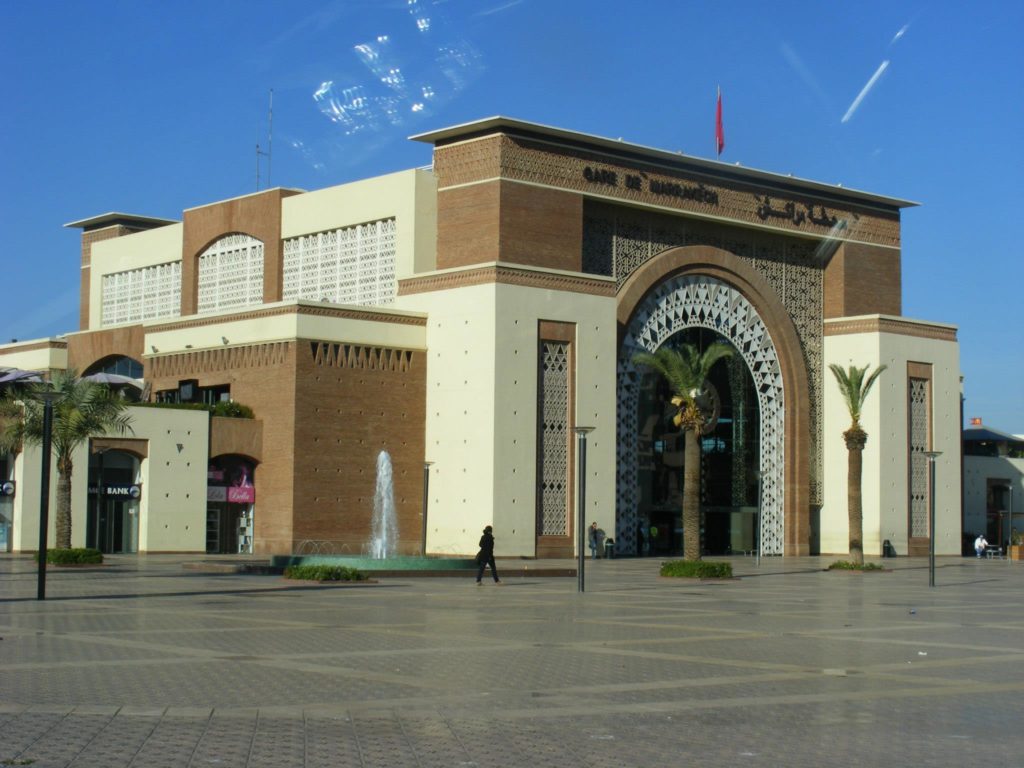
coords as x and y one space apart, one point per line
426 497
932 455
1009 540
581 527
48 397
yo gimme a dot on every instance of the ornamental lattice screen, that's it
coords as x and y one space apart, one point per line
352 265
919 408
698 301
553 456
141 294
231 274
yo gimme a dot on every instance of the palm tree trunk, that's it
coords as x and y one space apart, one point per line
691 496
64 470
856 438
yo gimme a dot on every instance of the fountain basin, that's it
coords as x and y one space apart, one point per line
436 565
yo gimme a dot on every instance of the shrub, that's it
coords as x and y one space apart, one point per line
232 410
323 573
226 408
74 556
696 569
846 565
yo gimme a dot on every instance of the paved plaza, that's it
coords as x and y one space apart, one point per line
142 662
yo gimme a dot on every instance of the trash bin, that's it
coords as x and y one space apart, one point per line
609 548
888 550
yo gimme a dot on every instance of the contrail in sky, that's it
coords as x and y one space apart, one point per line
865 90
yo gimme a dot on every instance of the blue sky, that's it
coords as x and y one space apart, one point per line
153 107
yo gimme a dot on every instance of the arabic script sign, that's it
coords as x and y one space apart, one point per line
797 213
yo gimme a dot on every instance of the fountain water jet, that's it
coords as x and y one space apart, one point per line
384 530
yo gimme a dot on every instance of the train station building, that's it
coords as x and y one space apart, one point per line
466 318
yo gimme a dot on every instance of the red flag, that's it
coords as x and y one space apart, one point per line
719 131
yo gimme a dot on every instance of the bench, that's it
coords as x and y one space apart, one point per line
994 553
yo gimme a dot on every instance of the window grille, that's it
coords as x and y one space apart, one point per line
231 274
141 294
352 265
552 512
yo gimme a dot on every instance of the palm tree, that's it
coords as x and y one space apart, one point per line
855 390
686 371
83 409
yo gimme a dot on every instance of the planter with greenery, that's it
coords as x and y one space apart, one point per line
696 569
228 409
846 565
323 573
75 556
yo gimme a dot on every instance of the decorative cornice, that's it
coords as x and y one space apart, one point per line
33 346
339 313
506 275
894 325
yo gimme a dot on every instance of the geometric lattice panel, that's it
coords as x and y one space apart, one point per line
553 502
231 274
141 294
919 409
352 265
698 301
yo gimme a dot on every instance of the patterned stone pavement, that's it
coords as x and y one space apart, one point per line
142 663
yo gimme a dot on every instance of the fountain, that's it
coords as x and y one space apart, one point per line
380 552
384 533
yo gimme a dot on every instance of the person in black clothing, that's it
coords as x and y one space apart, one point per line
485 556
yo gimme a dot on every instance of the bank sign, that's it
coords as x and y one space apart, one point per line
120 491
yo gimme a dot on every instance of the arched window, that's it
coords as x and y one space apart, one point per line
118 365
231 273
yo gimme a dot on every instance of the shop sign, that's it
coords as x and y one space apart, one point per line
123 491
241 495
216 493
7 488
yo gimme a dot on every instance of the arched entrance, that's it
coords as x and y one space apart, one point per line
730 456
703 287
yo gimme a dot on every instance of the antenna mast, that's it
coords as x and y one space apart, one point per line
270 144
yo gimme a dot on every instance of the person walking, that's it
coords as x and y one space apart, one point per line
485 556
594 540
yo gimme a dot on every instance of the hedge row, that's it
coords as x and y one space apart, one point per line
76 556
697 569
323 573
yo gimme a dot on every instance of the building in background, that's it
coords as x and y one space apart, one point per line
993 485
471 315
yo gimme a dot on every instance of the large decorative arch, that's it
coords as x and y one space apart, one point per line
700 286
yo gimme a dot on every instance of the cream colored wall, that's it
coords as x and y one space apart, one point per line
40 359
254 328
520 309
172 510
28 469
885 419
460 416
408 196
135 251
482 410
